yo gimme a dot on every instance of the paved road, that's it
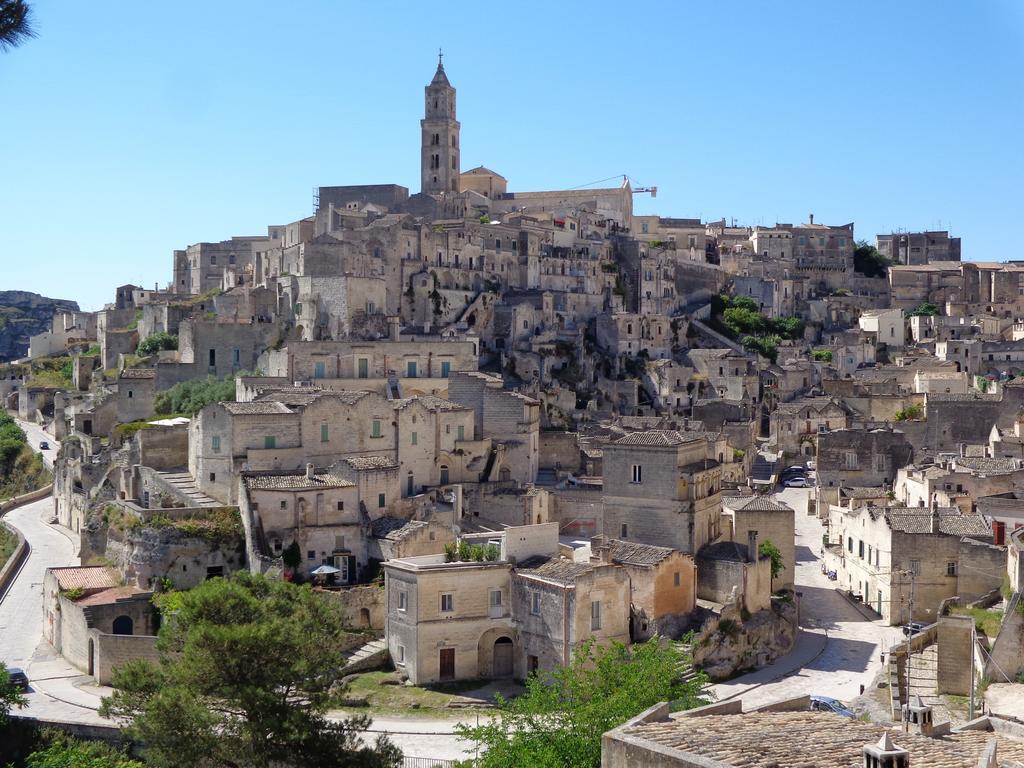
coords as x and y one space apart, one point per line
36 436
840 649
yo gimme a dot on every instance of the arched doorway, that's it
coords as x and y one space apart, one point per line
92 657
364 618
444 474
123 625
503 657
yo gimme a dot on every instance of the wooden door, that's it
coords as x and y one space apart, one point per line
503 657
447 664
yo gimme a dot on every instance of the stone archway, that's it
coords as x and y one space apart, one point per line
123 625
496 653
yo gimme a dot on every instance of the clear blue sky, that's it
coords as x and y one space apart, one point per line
129 129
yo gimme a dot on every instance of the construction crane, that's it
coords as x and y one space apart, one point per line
653 191
640 190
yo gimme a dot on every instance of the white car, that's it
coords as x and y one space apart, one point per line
812 464
796 482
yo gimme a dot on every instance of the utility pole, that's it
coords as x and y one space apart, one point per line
970 660
909 629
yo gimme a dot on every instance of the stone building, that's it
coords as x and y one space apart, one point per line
918 247
318 510
880 553
795 426
663 585
94 622
663 488
861 457
770 521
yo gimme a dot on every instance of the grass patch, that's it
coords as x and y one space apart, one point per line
986 620
8 543
399 698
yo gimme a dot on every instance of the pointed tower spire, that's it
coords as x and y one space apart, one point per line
439 160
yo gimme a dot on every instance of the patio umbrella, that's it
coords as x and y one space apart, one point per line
324 570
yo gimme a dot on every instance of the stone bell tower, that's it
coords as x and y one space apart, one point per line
439 154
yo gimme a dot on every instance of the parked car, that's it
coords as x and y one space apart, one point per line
44 446
796 482
795 468
18 678
828 704
812 464
913 628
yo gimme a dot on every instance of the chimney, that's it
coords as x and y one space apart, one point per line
919 715
885 754
394 327
811 217
751 546
310 470
935 516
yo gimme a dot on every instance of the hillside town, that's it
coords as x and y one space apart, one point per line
496 426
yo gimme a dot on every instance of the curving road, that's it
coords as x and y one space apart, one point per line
839 649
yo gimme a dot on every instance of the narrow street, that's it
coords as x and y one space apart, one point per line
839 649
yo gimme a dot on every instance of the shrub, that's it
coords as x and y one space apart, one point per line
189 397
157 343
910 413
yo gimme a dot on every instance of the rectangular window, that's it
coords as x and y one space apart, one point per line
339 542
849 544
860 549
447 602
623 531
236 358
951 568
637 473
446 368
535 603
311 554
401 655
213 358
324 434
915 567
403 601
215 443
375 428
460 433
494 602
415 437
380 500
595 615
213 477
341 506
284 504
269 441
675 579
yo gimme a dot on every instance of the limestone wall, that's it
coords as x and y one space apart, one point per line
111 651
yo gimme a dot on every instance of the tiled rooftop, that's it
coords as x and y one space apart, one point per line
257 408
430 402
864 492
951 521
806 739
138 373
631 553
657 437
361 463
111 595
291 481
757 503
395 528
980 464
86 577
553 569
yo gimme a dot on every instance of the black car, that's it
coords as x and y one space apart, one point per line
44 446
913 628
18 678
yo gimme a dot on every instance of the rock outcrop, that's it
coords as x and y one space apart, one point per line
24 314
729 643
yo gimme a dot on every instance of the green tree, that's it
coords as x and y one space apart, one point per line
924 309
15 23
767 549
868 261
157 342
292 555
66 752
558 722
189 397
10 695
243 679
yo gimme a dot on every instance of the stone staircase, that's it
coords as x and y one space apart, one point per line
185 485
366 657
